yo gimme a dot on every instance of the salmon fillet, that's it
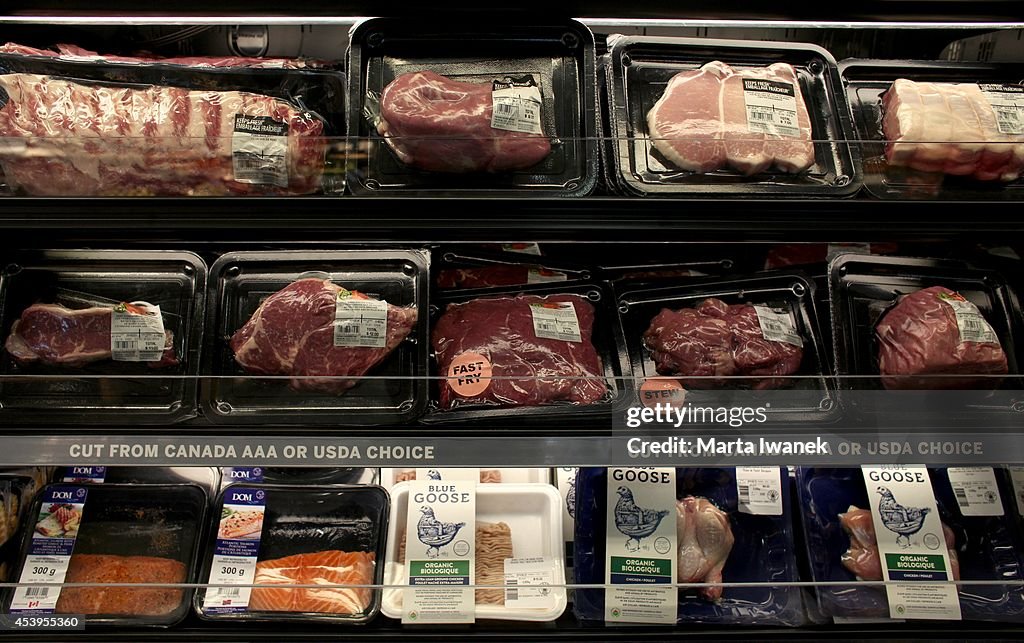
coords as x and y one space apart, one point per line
126 601
318 568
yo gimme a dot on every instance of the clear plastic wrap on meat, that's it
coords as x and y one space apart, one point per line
292 333
950 128
67 138
700 124
438 124
716 340
78 54
527 370
921 336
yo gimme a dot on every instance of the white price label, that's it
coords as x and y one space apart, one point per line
544 276
259 150
517 109
759 490
1017 478
360 322
976 491
969 320
778 325
528 582
556 320
771 107
1007 102
137 333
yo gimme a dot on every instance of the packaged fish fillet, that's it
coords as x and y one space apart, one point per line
104 536
969 506
18 489
275 536
708 525
516 525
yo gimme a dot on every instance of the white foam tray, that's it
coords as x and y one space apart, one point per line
532 511
510 475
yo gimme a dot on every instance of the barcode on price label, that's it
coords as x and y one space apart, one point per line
360 322
37 592
969 320
517 109
976 491
1007 103
759 490
778 325
771 107
512 591
137 333
744 493
556 320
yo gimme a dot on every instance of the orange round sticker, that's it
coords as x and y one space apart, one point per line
661 391
469 374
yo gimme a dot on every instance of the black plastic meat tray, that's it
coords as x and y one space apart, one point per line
639 69
165 521
864 287
321 92
560 57
542 269
606 339
807 397
104 392
392 392
867 80
302 519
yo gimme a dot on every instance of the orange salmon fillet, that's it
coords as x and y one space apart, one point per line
319 568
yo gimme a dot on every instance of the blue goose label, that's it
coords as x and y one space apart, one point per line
913 546
440 556
641 546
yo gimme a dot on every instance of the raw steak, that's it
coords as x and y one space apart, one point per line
700 123
442 125
862 559
70 139
58 336
527 370
705 540
949 128
292 333
920 336
718 340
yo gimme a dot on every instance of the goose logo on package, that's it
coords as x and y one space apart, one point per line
635 522
436 534
902 521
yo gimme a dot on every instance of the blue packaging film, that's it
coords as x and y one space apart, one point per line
763 551
986 546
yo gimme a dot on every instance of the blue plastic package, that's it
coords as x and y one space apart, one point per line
763 552
986 546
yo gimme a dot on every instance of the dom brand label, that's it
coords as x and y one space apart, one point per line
137 332
259 150
778 325
235 551
556 320
976 490
1007 103
641 547
49 553
516 105
243 474
440 538
360 322
972 325
911 543
759 490
528 582
79 475
771 107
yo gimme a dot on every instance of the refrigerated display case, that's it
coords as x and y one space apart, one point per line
770 262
